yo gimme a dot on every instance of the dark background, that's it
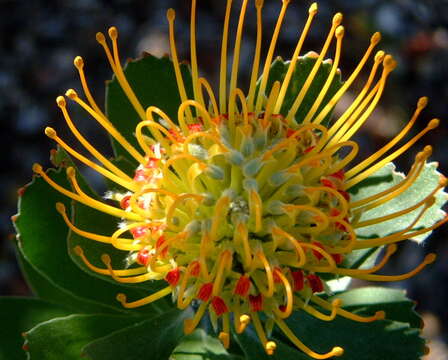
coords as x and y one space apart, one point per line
40 38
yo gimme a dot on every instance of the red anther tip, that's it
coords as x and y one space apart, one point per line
219 306
125 202
21 191
143 257
256 302
242 286
195 268
298 279
205 292
315 283
173 276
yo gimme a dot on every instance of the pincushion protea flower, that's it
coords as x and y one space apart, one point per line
239 209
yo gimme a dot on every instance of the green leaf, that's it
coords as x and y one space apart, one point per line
304 66
387 177
17 316
200 346
155 338
42 237
65 337
154 83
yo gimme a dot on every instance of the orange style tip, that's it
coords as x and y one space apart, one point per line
71 94
37 168
105 259
14 218
121 298
25 347
100 37
337 351
24 334
422 102
379 56
259 3
433 123
427 350
427 150
270 347
443 181
225 339
431 201
313 9
50 132
376 38
60 207
70 172
286 2
245 319
337 18
380 315
170 14
78 250
389 62
60 100
392 248
113 32
340 31
78 62
430 258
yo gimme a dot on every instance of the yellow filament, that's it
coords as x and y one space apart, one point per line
269 292
88 235
331 263
146 300
102 41
391 249
204 83
51 133
401 212
151 124
336 351
232 104
351 242
297 245
379 57
205 245
379 315
225 263
375 39
337 19
256 62
201 135
242 231
121 77
107 125
271 102
361 176
321 224
341 200
329 81
170 15
223 67
354 123
335 305
289 298
84 199
256 208
191 324
236 52
395 190
115 238
371 159
131 279
347 159
79 64
224 334
268 61
403 234
174 206
269 346
181 114
136 271
221 209
194 59
103 160
181 303
292 65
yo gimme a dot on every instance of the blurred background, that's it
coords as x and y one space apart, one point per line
40 38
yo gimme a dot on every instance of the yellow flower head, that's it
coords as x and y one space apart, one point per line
240 209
